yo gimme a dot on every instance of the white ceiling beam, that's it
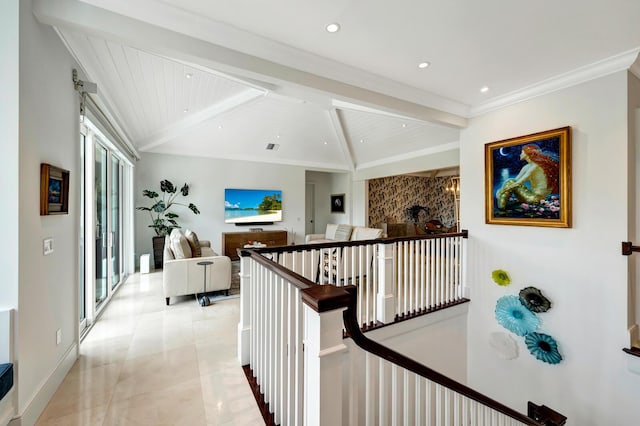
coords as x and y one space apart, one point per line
81 16
215 110
342 139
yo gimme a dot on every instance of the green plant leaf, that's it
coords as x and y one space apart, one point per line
184 190
193 208
167 186
150 194
146 209
171 215
159 207
173 222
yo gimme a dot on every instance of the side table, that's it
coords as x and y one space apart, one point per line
204 300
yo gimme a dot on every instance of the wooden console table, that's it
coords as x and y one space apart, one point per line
231 241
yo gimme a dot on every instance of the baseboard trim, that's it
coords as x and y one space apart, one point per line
41 398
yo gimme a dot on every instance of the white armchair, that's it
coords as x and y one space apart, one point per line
181 274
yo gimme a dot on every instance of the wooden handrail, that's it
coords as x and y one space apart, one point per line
628 248
353 330
295 279
334 244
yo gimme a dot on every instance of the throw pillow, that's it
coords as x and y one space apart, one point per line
343 232
194 243
180 245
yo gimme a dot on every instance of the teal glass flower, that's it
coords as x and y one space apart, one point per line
514 316
543 347
534 300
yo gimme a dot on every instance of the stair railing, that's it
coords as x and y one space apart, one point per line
291 339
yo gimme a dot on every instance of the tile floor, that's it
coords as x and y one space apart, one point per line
144 363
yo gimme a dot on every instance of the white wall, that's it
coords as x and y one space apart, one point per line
9 95
580 269
207 179
437 340
49 132
340 183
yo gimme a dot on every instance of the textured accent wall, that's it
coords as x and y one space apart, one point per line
390 197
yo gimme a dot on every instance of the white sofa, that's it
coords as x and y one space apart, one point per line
181 274
351 260
344 232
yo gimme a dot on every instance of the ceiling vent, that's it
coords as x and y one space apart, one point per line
272 146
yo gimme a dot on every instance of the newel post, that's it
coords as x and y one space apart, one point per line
385 299
323 354
244 325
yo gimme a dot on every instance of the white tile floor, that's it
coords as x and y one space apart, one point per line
144 363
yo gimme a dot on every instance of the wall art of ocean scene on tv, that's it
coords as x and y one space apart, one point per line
252 205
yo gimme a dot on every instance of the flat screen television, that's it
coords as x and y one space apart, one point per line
251 206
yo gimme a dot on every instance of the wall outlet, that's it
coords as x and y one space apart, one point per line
58 337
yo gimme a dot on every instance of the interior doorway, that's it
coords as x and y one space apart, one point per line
310 208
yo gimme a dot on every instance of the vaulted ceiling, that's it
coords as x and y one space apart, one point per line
225 78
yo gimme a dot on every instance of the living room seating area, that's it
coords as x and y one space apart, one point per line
182 275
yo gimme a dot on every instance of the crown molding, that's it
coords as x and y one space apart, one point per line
623 61
635 67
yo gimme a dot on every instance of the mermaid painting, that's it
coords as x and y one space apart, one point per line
529 180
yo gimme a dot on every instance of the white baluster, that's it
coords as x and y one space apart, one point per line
385 298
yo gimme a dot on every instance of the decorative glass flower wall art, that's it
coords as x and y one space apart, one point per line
543 347
533 299
514 316
504 345
501 277
518 315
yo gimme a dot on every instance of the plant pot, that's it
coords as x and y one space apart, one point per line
158 251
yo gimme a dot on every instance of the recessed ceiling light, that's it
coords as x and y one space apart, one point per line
188 75
219 126
484 89
423 65
404 124
277 136
333 27
326 143
361 140
185 110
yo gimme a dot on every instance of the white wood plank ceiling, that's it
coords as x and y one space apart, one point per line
254 64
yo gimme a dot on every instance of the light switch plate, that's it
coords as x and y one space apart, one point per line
48 246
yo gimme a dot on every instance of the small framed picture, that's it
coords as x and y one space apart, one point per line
54 190
337 203
528 180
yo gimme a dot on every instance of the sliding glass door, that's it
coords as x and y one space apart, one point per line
102 263
115 243
102 225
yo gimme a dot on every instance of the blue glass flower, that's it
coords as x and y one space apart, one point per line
543 347
515 317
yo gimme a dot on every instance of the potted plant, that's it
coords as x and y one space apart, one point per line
163 220
414 212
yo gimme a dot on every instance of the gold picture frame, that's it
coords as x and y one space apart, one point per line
54 190
528 180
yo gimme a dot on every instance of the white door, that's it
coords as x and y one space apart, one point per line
310 209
